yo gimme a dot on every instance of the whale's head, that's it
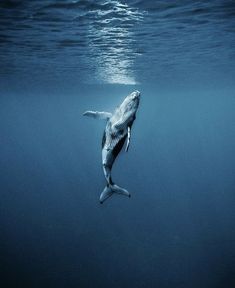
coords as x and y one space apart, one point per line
134 97
131 103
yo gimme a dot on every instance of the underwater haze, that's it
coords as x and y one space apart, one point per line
61 58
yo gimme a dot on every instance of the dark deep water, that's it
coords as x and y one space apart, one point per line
60 58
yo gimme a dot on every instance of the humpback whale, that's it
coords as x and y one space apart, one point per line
117 130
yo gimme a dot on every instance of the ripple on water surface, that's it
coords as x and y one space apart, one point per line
116 41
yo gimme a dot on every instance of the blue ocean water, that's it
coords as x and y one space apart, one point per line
60 58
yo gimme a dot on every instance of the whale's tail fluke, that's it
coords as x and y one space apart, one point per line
109 190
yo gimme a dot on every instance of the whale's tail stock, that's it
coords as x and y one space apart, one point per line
110 189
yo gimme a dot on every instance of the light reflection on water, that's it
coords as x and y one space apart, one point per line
121 42
114 66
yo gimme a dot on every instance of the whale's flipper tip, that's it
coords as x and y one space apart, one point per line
98 115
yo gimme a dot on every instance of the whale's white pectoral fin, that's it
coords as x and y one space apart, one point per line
128 138
98 115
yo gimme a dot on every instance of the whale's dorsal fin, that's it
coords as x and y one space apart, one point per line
128 138
98 115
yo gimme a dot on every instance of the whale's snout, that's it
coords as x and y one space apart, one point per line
135 95
131 102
